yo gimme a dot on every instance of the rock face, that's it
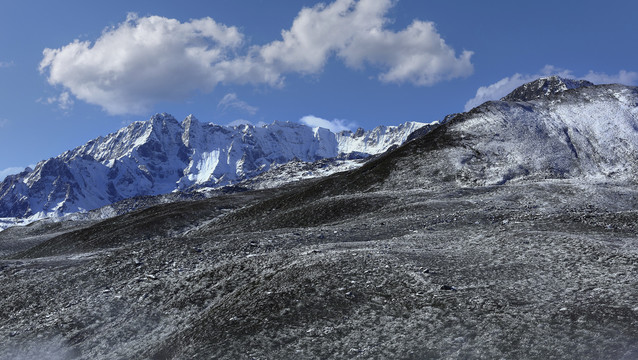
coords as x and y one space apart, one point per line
161 155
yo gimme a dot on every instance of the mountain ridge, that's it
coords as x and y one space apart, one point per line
502 142
162 155
544 87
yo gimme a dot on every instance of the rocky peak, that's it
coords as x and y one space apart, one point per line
190 119
190 126
162 118
543 87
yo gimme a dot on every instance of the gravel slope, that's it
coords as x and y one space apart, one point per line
486 272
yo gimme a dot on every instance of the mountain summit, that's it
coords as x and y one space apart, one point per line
589 133
543 87
162 155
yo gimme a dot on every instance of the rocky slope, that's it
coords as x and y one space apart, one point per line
589 133
162 155
430 250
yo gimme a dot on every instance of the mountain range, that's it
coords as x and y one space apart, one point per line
505 232
162 155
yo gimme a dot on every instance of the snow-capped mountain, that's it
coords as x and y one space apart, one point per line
162 155
573 130
549 128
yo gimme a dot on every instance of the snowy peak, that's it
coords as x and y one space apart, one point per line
162 155
190 126
584 134
379 139
543 87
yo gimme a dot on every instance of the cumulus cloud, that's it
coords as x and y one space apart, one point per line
232 101
335 125
142 61
355 31
145 60
506 85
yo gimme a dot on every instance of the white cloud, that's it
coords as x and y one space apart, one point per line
498 89
145 60
335 125
232 101
239 122
549 70
6 64
506 85
3 122
142 61
355 31
623 77
64 100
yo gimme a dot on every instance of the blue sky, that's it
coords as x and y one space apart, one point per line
74 70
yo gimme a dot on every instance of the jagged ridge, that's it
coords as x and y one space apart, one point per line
162 155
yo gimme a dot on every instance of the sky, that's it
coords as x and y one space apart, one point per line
71 71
